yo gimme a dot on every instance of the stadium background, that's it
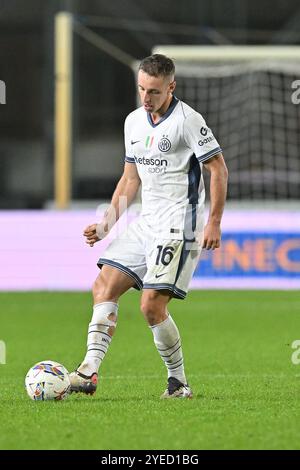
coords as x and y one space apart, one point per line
250 397
261 251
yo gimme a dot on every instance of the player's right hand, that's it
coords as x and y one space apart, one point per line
94 233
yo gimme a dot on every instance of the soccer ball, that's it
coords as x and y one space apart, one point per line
47 380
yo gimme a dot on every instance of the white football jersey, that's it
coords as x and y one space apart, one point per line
168 156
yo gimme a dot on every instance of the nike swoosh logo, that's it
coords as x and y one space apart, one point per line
159 275
134 142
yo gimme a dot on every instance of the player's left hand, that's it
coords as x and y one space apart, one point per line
212 236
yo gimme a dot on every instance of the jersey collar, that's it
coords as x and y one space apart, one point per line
166 115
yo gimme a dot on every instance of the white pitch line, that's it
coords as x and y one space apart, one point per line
200 376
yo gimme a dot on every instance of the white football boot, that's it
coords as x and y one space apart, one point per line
81 383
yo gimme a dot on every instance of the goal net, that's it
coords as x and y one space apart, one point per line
246 96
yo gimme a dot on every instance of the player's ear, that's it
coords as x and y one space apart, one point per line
172 86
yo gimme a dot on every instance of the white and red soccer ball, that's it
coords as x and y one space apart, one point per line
47 380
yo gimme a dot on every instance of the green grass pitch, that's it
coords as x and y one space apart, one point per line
237 347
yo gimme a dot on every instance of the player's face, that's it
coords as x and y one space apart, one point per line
155 92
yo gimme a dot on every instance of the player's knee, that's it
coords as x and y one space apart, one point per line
102 292
152 310
148 309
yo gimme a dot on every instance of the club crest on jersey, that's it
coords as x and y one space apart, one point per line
164 144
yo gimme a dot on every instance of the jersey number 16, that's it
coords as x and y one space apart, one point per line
164 255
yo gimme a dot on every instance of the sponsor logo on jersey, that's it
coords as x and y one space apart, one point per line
155 165
164 144
206 140
203 131
151 161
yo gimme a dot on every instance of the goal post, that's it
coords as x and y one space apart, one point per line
245 93
195 53
66 26
63 108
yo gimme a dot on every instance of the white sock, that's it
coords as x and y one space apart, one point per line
98 336
168 343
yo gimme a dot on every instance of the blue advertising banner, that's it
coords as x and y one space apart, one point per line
248 254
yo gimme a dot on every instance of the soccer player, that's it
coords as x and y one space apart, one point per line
167 144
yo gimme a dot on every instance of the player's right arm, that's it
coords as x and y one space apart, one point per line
127 188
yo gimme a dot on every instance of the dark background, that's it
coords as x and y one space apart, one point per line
104 90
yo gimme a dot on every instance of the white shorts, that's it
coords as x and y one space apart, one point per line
153 263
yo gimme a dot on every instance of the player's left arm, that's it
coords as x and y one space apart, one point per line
218 190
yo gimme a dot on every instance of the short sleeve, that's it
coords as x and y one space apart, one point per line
129 157
199 137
